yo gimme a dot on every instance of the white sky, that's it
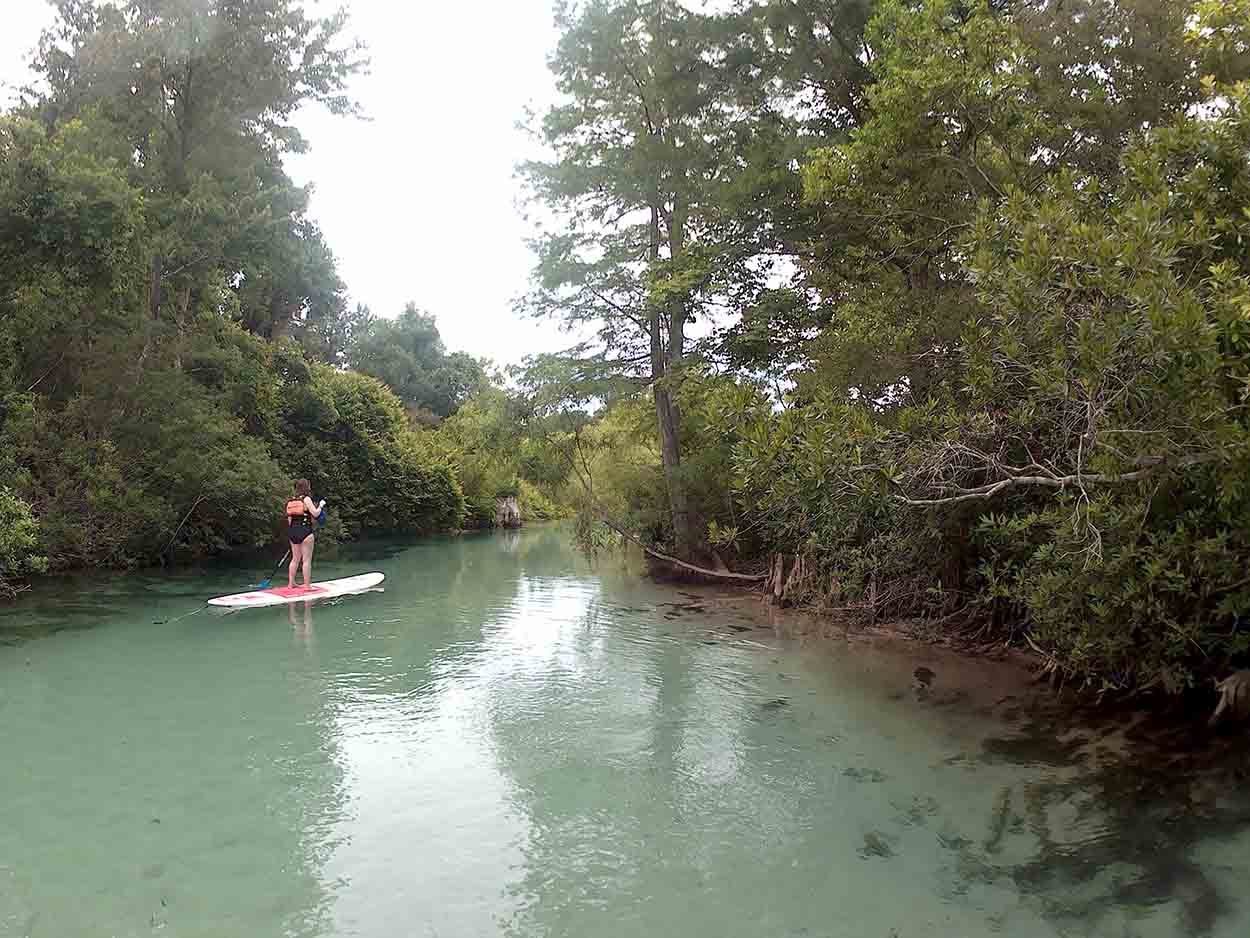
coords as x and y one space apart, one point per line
419 203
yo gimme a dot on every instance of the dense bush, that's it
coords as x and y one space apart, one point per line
19 542
171 322
349 436
176 472
1116 358
500 448
537 505
802 487
1074 465
1010 362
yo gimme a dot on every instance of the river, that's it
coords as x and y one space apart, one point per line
512 741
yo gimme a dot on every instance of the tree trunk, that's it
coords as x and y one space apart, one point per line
667 418
507 512
184 306
154 314
670 455
154 292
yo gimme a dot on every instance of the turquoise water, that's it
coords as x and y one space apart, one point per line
510 741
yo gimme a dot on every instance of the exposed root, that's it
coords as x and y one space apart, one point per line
1234 697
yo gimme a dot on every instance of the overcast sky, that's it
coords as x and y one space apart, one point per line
419 203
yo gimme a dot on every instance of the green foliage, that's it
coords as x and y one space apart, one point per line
348 435
1029 402
1117 349
70 253
536 505
194 98
19 542
803 488
712 409
1160 603
167 302
616 470
614 465
501 448
1015 326
480 439
179 472
407 354
672 191
1219 32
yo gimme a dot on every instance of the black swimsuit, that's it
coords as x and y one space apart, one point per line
299 527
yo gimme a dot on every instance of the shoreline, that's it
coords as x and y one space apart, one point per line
1162 778
328 548
994 663
1009 683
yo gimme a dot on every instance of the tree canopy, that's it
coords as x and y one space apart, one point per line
933 309
970 278
170 314
408 355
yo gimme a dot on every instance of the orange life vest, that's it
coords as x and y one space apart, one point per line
295 511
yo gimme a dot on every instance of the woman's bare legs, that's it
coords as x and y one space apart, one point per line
308 544
296 551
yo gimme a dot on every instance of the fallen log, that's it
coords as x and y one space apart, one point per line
660 555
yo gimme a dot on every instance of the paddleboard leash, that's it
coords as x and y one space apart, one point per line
185 615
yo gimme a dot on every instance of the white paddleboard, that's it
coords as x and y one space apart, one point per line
279 595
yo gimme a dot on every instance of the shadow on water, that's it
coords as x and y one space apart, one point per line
82 600
1146 791
645 755
74 602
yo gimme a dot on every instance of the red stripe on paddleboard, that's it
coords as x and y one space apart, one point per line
289 591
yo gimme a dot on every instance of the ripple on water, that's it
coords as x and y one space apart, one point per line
507 742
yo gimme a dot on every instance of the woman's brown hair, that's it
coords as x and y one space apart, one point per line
302 488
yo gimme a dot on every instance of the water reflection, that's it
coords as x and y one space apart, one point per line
163 778
302 621
431 826
509 741
1156 845
684 787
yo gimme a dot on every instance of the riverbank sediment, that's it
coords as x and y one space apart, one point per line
1008 682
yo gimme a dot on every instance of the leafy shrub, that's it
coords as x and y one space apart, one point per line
537 506
492 442
1083 478
1114 368
19 542
348 435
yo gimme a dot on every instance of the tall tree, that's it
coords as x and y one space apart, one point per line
668 138
155 259
200 96
622 180
972 100
407 353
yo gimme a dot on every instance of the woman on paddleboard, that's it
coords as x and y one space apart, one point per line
301 514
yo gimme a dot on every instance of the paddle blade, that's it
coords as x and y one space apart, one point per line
264 584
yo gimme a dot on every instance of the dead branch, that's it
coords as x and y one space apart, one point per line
49 371
195 504
990 489
659 555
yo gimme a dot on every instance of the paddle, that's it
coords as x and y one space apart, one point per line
264 584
